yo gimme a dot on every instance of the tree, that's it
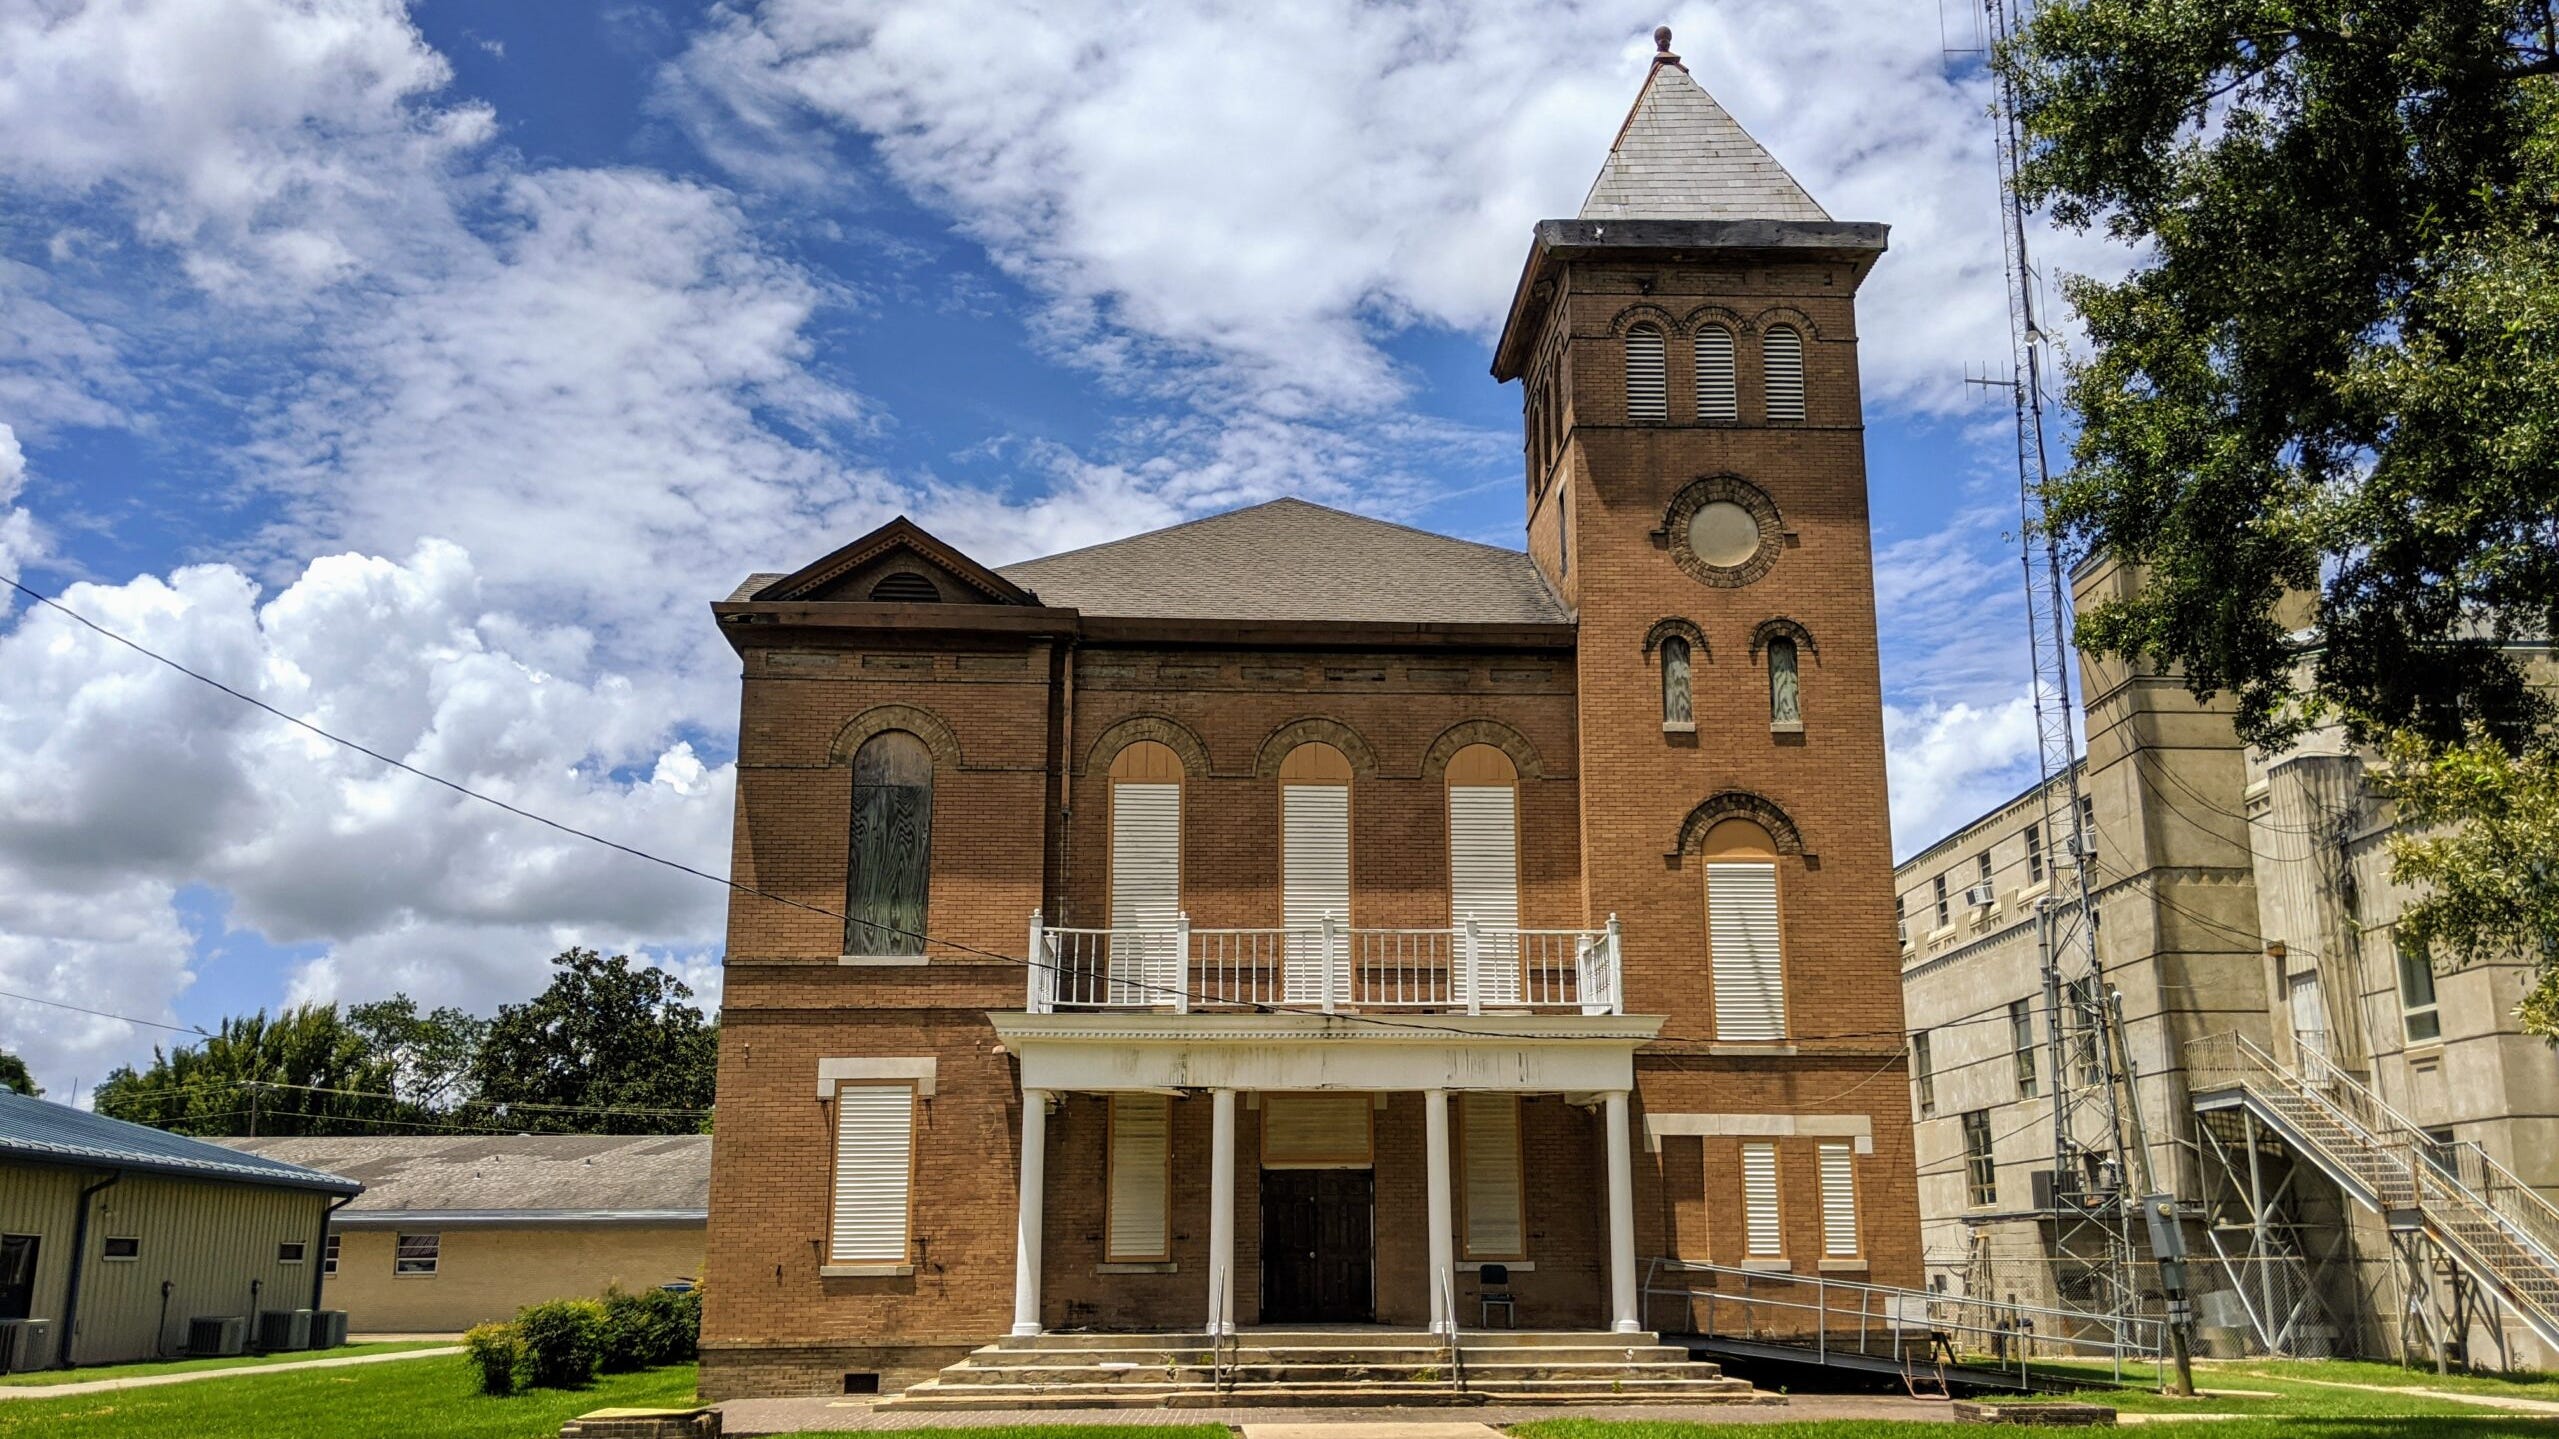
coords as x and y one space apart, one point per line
14 1076
612 1043
2332 375
304 1072
431 1055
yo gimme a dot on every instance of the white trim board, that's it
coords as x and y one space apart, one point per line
831 1072
1859 1127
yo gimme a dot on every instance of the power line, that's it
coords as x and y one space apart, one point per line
103 1014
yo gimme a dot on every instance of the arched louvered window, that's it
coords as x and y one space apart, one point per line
1146 874
1781 353
1647 385
1483 864
1679 711
1744 959
1315 868
1785 690
906 588
888 879
1717 397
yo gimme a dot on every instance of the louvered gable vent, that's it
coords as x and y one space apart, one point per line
1717 396
1647 383
1782 359
874 1149
1749 980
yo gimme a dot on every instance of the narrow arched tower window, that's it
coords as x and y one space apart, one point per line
889 873
1781 354
1717 396
1785 694
1679 711
1647 384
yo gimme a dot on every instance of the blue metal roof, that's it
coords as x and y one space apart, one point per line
40 1132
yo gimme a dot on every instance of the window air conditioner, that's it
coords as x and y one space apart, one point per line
215 1337
1982 896
284 1329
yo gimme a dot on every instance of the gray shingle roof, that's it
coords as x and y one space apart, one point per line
1681 156
32 1129
1291 560
558 1176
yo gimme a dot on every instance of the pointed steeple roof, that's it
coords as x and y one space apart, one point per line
1681 156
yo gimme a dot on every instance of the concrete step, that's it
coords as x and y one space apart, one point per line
1318 1339
929 1396
981 1376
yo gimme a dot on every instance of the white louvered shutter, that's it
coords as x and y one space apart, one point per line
1647 386
1741 920
1761 1226
1782 357
1488 1133
1315 880
1146 892
1717 397
1483 883
1141 1136
874 1157
1839 1201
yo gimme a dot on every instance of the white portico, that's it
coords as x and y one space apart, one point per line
1586 1058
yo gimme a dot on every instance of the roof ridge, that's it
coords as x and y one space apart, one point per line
1272 503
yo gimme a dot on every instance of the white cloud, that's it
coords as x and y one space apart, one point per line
1951 763
122 780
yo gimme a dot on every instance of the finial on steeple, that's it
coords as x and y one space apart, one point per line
1661 46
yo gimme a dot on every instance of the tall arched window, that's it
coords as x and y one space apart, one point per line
889 870
1717 395
1744 958
1679 711
1647 382
1483 866
1785 689
1315 866
1146 874
1781 354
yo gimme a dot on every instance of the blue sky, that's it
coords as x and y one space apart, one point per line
423 369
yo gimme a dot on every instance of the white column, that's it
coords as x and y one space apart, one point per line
1621 1219
1026 1227
1221 1212
1443 1218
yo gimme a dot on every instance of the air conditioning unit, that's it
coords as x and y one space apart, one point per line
328 1328
25 1344
215 1337
2081 846
284 1329
1982 895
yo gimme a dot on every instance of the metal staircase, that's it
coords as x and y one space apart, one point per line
2493 1227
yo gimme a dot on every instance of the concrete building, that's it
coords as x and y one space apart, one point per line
115 1238
1292 917
453 1231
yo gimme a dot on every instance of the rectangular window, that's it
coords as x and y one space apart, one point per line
874 1172
2417 1006
2021 1042
290 1252
121 1247
1839 1199
414 1254
1981 864
2087 829
1901 921
888 871
1488 1141
1923 1073
1743 953
329 1256
1981 1172
1146 892
1315 881
1761 1222
1483 882
1945 916
1141 1175
2034 854
2085 1059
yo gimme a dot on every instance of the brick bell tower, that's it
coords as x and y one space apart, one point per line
1696 492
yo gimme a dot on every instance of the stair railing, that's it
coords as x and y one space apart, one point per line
1225 1345
1456 1353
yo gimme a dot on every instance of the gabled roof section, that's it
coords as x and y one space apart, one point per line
599 1177
35 1131
1291 560
1681 156
817 581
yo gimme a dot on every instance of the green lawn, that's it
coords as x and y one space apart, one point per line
413 1399
2492 1427
2356 1371
42 1377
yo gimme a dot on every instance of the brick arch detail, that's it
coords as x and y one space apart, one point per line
1738 804
1704 491
1686 629
1315 729
925 725
1500 736
1729 318
1785 315
1780 627
1632 315
1171 733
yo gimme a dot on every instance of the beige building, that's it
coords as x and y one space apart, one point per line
457 1231
115 1238
2357 1145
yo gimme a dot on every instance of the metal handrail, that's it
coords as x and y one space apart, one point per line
1456 1354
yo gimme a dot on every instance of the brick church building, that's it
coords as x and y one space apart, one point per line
1284 916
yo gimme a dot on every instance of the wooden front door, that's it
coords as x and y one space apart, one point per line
1318 1246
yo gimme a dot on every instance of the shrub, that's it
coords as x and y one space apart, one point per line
683 1332
563 1338
497 1351
629 1340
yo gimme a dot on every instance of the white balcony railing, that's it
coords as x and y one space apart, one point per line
1468 968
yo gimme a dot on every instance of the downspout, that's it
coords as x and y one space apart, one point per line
320 1251
1066 785
79 1253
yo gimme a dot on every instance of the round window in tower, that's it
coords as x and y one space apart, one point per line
1723 534
1723 530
